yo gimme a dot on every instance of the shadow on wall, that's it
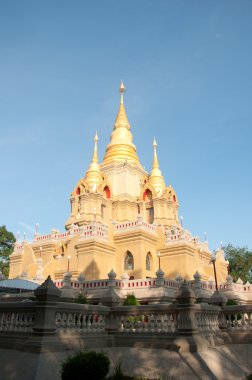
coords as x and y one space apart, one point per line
92 272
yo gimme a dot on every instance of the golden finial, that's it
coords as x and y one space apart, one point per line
122 90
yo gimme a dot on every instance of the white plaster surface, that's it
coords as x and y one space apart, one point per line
230 362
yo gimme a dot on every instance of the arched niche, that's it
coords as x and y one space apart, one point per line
128 261
107 192
147 195
148 261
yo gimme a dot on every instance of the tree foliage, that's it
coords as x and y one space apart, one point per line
7 241
81 299
131 300
240 262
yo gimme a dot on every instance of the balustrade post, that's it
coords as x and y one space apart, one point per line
197 281
160 277
112 278
229 282
186 299
47 296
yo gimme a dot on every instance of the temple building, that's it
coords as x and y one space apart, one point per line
121 218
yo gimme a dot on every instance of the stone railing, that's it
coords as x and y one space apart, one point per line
81 318
125 284
207 318
142 287
139 223
87 231
149 324
238 317
17 316
145 319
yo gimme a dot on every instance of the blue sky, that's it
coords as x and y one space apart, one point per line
187 68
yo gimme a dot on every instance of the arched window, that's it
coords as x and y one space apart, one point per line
147 195
107 192
174 198
129 261
148 261
77 191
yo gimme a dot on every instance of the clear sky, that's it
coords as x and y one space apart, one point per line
187 69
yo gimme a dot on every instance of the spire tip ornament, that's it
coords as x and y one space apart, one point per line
122 90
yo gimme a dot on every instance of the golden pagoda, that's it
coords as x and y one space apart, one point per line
120 218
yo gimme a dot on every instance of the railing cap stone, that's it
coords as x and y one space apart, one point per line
47 291
186 295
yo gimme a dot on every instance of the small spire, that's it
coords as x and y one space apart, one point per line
156 179
122 90
94 176
95 154
155 164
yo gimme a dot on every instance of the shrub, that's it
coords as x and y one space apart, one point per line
85 365
232 302
131 300
81 299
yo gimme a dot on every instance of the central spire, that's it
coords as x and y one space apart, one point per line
121 119
122 90
121 147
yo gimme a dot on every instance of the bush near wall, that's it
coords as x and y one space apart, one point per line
85 365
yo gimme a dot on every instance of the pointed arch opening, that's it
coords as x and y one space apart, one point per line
128 261
77 191
147 195
107 192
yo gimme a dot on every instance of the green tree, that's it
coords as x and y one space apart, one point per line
240 262
131 300
7 241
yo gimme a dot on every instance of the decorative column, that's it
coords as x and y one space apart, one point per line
186 299
112 278
179 279
111 297
81 279
160 277
67 292
67 280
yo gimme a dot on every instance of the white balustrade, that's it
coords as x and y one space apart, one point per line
147 323
80 322
17 321
238 320
207 322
